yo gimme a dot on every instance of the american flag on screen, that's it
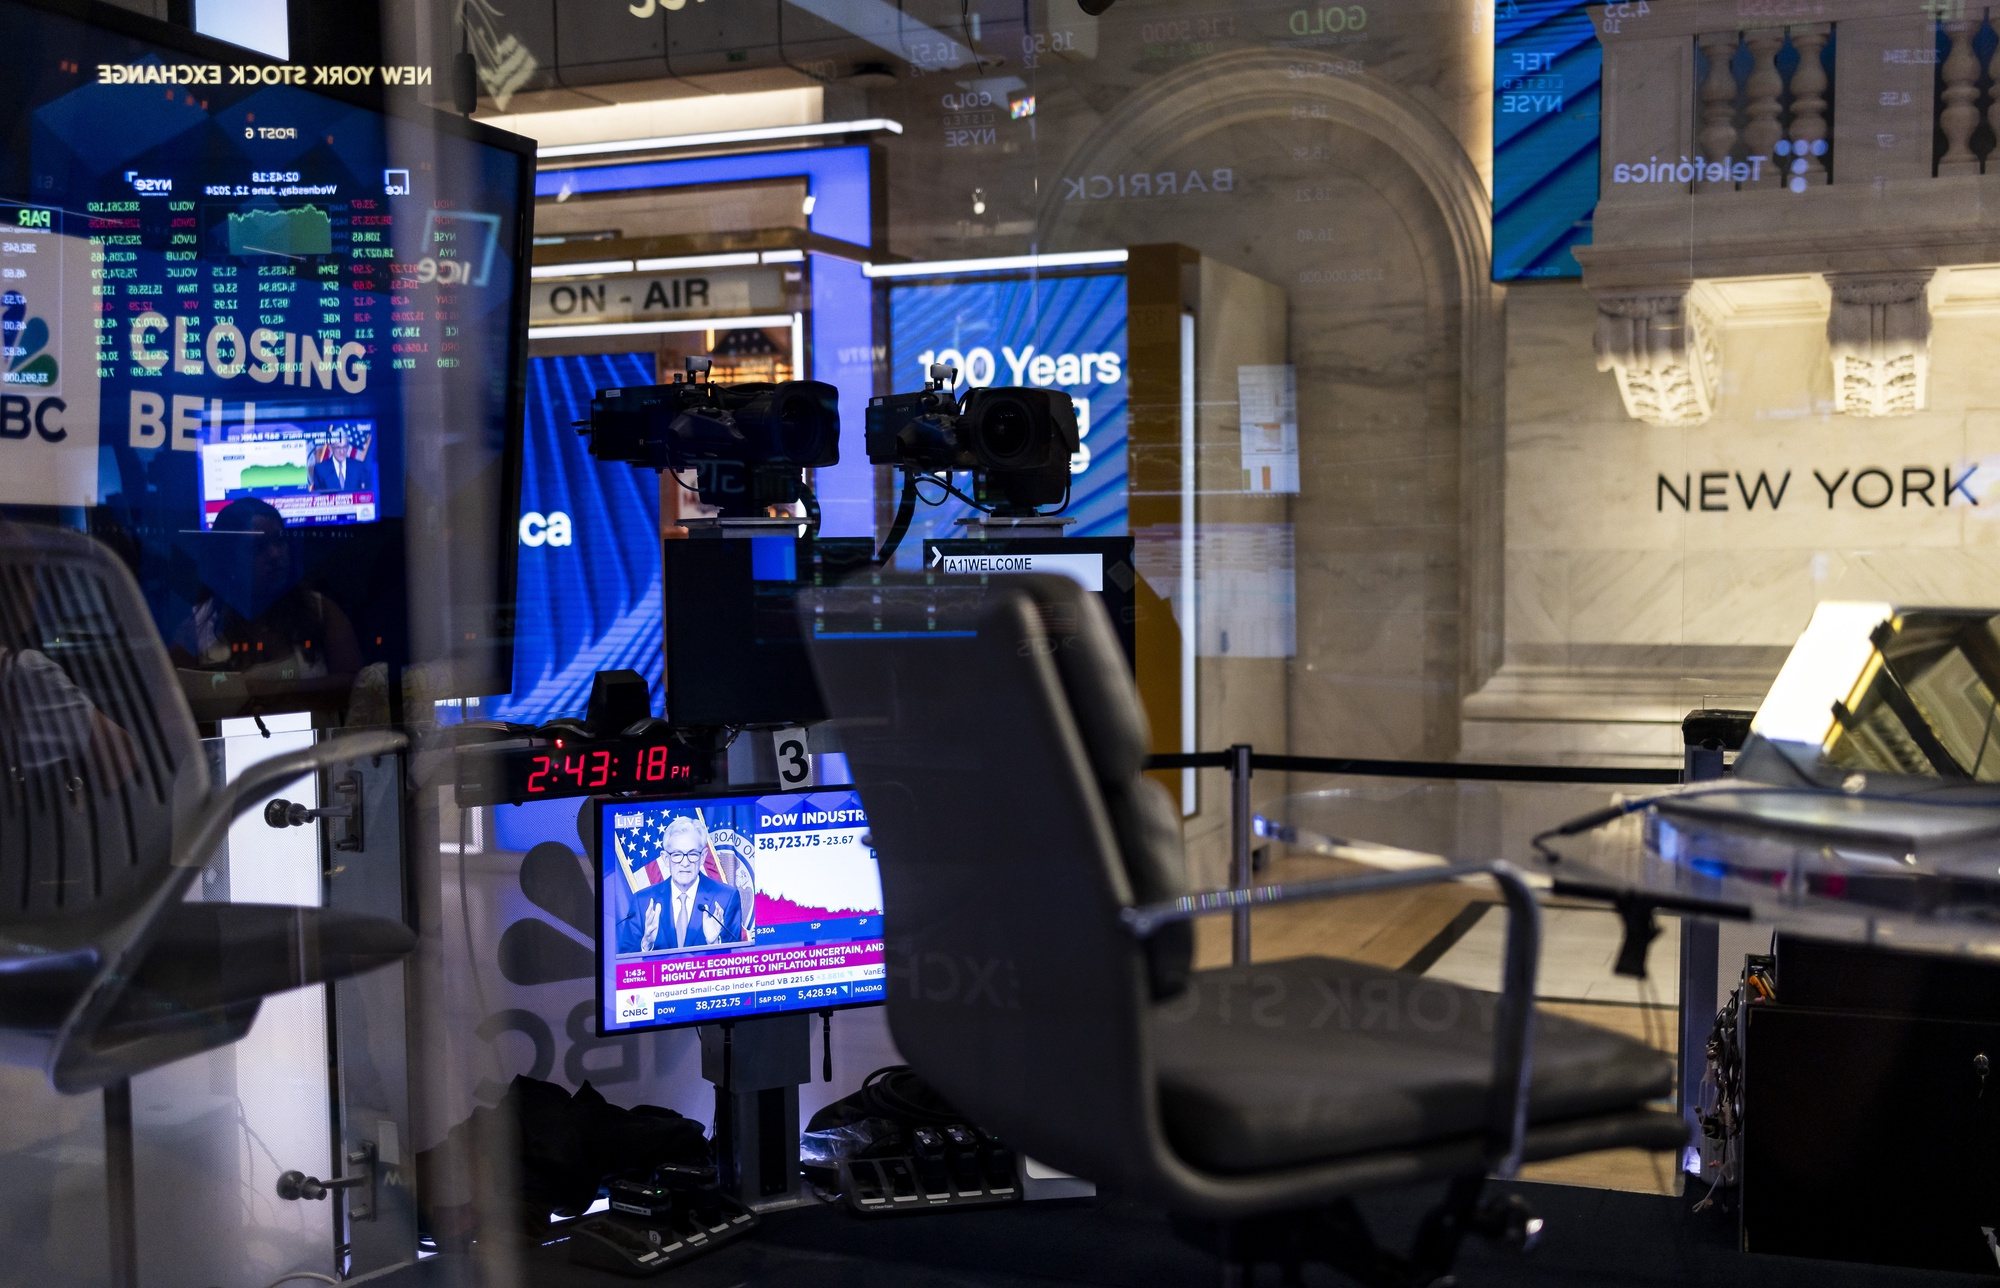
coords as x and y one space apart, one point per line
641 840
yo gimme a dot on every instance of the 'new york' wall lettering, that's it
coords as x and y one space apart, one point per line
1871 487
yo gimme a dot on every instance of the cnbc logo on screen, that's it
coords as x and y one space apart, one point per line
24 365
22 341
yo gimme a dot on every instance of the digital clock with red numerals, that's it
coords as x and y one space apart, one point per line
599 767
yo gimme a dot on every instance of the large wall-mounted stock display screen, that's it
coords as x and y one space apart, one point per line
1064 333
721 907
267 339
1547 70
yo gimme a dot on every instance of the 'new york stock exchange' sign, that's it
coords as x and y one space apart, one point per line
1867 487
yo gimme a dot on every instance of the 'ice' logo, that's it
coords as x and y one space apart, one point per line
22 340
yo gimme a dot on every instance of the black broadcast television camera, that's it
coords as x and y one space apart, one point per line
1017 441
745 442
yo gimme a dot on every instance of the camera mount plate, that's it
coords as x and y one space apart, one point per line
750 526
976 525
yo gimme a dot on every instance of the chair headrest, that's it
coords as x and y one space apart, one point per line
1095 675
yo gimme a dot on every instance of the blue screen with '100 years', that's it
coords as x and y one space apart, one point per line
1063 333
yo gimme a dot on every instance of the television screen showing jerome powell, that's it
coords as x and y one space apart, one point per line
730 906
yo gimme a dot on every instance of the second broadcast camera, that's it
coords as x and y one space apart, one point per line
745 442
1016 440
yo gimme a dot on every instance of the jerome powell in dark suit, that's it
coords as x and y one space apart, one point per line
692 909
343 467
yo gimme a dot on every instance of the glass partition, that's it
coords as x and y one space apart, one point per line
1483 443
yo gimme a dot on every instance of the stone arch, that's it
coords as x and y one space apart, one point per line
1238 89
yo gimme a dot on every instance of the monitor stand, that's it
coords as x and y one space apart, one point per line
757 1066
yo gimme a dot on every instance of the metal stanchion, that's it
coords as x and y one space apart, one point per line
1706 737
1241 872
120 1188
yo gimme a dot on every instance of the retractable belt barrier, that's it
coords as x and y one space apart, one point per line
1240 760
1419 768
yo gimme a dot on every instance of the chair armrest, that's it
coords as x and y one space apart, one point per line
1513 1044
264 777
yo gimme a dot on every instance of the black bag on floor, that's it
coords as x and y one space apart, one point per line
874 1122
566 1148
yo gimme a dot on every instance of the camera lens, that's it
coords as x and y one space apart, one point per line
793 423
799 421
1007 432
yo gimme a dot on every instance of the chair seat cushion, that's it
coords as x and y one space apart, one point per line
1317 1059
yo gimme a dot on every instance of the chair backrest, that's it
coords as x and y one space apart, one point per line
1013 988
101 766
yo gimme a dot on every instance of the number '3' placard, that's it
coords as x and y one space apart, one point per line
795 763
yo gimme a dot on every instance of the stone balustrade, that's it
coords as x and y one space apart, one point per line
1851 143
1761 108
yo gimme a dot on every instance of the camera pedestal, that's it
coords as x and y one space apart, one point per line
757 1066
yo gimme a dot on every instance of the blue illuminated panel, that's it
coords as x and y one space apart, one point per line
1547 74
589 549
997 332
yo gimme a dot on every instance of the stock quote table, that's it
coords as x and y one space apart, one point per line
317 267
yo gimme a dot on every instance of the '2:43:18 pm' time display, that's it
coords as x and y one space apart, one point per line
513 775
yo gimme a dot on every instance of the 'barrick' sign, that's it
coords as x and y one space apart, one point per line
1869 488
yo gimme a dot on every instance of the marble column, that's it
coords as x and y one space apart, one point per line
1809 84
1763 93
1960 114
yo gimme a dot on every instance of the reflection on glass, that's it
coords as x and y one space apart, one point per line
255 614
1926 703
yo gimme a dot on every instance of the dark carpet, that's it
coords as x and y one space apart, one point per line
1594 1237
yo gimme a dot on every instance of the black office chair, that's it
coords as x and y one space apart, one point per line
107 813
1039 952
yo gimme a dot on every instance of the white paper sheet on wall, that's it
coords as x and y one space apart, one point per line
1267 400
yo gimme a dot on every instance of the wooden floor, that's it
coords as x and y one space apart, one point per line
1395 928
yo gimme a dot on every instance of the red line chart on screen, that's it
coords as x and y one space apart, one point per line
834 879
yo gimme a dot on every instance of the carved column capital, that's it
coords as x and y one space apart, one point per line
1663 351
1879 333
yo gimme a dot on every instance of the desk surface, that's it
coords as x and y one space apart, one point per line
1917 870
